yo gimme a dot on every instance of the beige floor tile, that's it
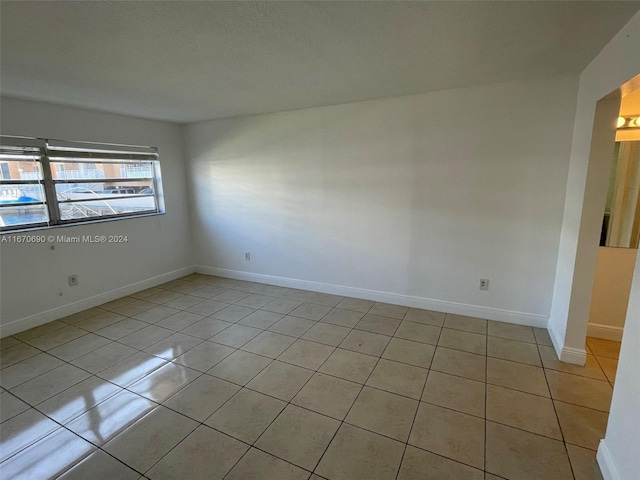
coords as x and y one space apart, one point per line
509 330
25 370
457 393
384 413
207 307
590 369
255 300
583 391
355 453
418 332
462 364
378 324
78 347
521 410
83 315
298 436
310 311
231 296
260 319
513 453
202 397
133 308
17 353
233 313
236 335
468 324
257 464
517 376
325 299
388 310
103 422
328 395
542 337
206 328
149 439
292 326
282 306
155 314
327 334
75 401
609 367
356 304
23 430
240 367
513 350
59 337
208 291
604 348
99 465
45 458
49 384
10 406
121 329
132 369
146 337
269 344
100 321
352 366
164 297
205 356
428 317
406 351
246 415
204 455
179 321
449 433
418 464
296 294
8 342
173 346
280 380
164 382
581 426
273 291
465 341
365 342
40 330
306 354
342 317
398 378
584 464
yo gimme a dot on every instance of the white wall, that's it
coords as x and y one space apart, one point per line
33 281
417 197
611 287
618 452
589 171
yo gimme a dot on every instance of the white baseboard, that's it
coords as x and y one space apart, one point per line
605 462
577 356
489 313
38 319
606 332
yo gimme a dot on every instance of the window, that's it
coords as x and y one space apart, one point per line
51 182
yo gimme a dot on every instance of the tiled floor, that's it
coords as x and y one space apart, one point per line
206 377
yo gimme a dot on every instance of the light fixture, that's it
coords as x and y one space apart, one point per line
629 121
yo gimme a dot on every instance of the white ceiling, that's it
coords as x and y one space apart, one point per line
190 61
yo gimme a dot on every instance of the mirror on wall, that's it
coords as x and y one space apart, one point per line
621 224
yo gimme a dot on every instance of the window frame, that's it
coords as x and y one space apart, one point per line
48 152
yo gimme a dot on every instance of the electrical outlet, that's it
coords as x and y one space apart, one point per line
247 256
484 284
73 280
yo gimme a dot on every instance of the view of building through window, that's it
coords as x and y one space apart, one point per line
47 184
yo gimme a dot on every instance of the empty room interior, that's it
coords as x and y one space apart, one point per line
320 240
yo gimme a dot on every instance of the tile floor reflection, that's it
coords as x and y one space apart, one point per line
207 377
